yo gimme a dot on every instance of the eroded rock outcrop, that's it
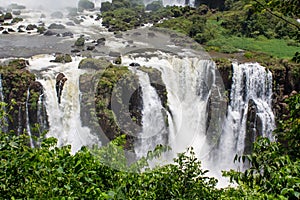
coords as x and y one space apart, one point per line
60 81
24 95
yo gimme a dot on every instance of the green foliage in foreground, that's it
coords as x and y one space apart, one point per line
52 172
49 172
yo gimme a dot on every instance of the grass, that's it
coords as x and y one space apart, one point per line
279 48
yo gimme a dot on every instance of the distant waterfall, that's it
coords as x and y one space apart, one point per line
27 119
174 2
64 118
42 114
252 83
4 121
154 126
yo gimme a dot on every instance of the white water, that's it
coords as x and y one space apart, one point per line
188 90
154 127
172 2
250 81
27 120
64 119
4 121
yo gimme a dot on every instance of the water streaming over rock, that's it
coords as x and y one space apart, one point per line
189 83
64 118
28 128
251 91
4 121
154 127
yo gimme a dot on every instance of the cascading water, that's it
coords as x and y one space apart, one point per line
189 82
64 118
41 114
4 121
27 119
154 127
251 83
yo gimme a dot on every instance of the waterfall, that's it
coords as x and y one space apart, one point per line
20 120
27 119
42 114
4 121
64 118
154 127
251 83
174 2
189 82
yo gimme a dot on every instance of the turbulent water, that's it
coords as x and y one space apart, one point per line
64 118
154 127
251 82
196 113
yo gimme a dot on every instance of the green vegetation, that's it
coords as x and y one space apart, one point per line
103 173
267 26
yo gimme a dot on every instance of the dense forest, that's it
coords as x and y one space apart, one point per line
266 31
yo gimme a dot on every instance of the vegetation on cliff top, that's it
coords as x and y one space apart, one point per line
267 26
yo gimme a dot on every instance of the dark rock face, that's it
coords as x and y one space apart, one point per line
96 64
119 102
56 26
66 34
101 41
253 127
85 5
62 58
31 27
25 95
50 33
80 42
60 81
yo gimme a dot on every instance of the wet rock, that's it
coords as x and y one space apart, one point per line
16 20
62 58
96 64
41 29
31 27
70 24
114 54
16 12
18 63
101 41
80 42
16 6
90 48
77 21
57 15
56 26
136 34
118 60
1 28
8 16
118 35
5 32
85 5
134 64
75 51
50 33
60 81
151 34
11 30
66 34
